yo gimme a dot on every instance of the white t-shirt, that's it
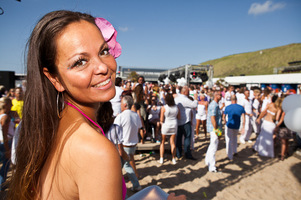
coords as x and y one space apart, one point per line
130 123
251 97
228 98
247 105
185 105
256 104
240 97
116 101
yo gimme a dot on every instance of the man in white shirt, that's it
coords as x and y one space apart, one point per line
184 123
247 131
228 95
130 123
240 96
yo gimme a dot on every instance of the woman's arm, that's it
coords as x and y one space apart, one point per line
262 114
280 117
142 122
122 153
162 114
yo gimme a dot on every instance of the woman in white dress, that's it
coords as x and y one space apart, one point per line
201 116
264 144
169 115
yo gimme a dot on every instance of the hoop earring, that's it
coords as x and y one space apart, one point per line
58 110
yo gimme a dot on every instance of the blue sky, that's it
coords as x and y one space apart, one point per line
163 33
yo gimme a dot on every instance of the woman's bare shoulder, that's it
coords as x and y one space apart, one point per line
86 140
89 155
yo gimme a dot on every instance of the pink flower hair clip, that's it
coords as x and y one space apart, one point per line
109 33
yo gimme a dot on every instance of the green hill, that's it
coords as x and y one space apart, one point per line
256 63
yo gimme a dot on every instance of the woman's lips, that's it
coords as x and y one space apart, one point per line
102 84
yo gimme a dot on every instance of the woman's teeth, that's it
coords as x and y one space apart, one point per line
102 83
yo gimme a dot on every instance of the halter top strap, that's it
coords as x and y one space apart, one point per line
73 106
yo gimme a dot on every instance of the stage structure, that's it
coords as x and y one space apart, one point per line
150 75
193 74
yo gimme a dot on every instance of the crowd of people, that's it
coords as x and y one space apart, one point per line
178 112
11 108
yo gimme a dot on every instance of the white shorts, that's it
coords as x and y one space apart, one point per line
201 117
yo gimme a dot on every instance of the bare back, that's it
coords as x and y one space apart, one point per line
271 112
76 161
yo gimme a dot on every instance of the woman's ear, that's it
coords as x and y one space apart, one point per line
54 80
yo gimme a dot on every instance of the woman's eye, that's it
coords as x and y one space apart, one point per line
79 63
105 51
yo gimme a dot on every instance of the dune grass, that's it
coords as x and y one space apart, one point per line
256 63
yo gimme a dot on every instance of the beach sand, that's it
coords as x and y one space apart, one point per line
248 176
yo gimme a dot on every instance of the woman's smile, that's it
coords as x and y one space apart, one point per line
104 84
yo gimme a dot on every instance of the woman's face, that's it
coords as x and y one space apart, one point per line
154 101
18 93
12 92
8 106
140 80
128 84
87 70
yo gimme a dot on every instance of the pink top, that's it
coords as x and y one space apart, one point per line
123 182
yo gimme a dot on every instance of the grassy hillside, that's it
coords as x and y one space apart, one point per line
255 63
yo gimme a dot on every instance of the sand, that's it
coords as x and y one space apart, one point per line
248 176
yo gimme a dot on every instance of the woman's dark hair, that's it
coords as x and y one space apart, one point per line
139 92
137 106
274 98
266 92
105 116
169 99
40 120
126 93
142 78
118 81
174 90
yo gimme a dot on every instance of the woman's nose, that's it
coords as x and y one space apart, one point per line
100 66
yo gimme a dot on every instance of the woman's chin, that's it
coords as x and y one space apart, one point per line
110 94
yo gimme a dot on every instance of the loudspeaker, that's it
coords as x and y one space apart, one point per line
7 78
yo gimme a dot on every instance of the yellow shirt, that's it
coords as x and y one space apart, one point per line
17 106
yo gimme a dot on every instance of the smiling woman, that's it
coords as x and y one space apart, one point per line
62 153
85 67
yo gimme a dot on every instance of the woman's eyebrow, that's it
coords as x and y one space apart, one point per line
102 46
